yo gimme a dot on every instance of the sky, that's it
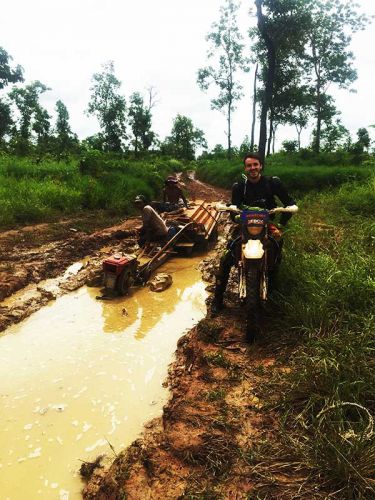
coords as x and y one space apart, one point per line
160 44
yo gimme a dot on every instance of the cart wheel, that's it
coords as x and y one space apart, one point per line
124 282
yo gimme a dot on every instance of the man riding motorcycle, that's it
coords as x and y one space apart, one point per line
254 190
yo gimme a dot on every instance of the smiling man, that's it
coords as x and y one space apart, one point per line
259 190
254 190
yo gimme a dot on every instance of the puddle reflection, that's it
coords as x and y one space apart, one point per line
81 373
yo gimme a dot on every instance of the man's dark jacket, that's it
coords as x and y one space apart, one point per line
262 194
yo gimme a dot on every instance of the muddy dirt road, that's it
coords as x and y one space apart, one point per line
35 260
213 440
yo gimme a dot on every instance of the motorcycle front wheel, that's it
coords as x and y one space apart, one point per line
253 299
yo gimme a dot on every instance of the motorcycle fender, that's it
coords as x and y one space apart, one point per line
253 249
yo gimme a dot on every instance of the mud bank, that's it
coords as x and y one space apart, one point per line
215 429
216 437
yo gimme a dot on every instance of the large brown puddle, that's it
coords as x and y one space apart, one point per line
82 375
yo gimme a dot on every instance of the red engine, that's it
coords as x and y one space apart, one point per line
119 272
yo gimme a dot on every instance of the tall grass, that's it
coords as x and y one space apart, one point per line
299 178
326 296
35 192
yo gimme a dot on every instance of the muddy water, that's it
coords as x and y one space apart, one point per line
81 376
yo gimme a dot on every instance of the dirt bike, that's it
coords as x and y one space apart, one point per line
256 251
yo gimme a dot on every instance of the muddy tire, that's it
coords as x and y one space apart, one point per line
124 282
253 302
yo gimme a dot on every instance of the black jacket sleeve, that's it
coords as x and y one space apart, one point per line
237 193
237 196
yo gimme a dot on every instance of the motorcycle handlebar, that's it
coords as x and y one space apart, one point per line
292 209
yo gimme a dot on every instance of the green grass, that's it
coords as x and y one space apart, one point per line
325 299
33 192
300 179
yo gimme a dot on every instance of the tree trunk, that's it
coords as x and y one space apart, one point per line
270 135
270 76
229 152
318 109
299 131
318 119
274 138
254 109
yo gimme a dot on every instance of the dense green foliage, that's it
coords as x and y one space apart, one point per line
184 139
36 192
109 107
303 47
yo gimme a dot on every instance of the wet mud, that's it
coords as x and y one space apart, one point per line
31 256
213 437
80 378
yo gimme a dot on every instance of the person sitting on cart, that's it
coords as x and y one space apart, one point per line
153 227
173 196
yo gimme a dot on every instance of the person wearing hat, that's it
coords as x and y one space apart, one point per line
173 197
153 227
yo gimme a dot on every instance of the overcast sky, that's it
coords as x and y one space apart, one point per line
160 44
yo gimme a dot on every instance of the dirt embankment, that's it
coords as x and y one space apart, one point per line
216 438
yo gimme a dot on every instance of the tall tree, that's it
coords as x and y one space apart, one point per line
32 116
279 38
140 122
333 136
109 107
291 101
225 44
41 127
64 136
328 56
184 139
252 140
364 140
6 120
8 75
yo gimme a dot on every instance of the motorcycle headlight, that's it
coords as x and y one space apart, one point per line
254 230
